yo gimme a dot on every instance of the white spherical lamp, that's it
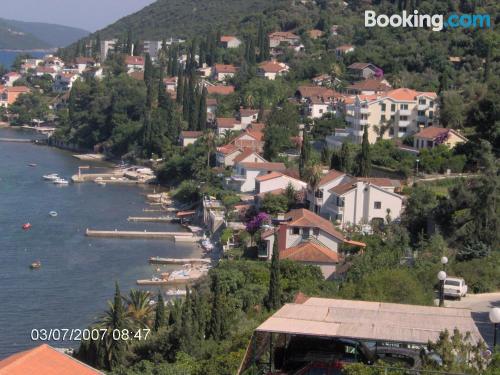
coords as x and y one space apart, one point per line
444 260
495 315
441 275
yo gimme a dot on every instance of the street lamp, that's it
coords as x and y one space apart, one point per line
495 319
441 276
444 262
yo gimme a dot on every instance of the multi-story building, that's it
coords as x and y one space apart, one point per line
152 47
106 47
394 114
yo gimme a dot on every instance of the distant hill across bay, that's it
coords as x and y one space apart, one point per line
20 35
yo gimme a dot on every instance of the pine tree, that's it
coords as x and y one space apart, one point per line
274 294
305 155
202 112
365 162
160 312
216 327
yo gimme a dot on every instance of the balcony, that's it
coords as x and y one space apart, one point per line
405 112
363 122
364 110
238 177
404 123
423 107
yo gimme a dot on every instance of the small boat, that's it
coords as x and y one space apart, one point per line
53 213
26 226
36 265
61 181
32 165
100 183
51 177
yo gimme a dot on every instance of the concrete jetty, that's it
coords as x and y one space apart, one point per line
17 140
178 236
144 219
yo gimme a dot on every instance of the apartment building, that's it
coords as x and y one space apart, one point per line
393 114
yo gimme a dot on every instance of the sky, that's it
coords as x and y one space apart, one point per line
90 15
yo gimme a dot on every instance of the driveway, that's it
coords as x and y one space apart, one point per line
480 305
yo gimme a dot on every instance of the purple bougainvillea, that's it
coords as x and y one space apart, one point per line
379 73
256 222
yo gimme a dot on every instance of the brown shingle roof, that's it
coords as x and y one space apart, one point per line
330 176
432 132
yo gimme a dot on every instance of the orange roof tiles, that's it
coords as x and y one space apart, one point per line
305 218
44 360
268 166
227 38
220 90
227 149
370 85
226 122
330 176
273 67
223 68
244 154
406 94
343 188
269 176
134 60
191 134
317 91
432 132
310 252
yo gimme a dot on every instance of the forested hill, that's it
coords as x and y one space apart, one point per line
36 35
186 18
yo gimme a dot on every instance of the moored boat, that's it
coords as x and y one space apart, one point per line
61 181
53 213
176 292
26 226
51 177
36 265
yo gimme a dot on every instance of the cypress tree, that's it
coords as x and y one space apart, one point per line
148 70
180 88
305 154
216 327
345 160
265 54
365 162
202 112
186 336
274 294
115 350
160 312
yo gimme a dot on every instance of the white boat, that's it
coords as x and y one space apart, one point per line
51 177
53 213
100 183
61 181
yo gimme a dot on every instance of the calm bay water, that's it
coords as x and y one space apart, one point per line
78 273
8 57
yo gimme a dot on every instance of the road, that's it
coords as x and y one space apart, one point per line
480 305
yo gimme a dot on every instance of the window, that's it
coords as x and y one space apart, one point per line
382 117
422 101
431 115
391 131
340 202
320 111
403 106
393 118
319 193
403 118
393 107
377 205
295 231
382 107
431 104
421 113
402 129
316 231
338 217
305 233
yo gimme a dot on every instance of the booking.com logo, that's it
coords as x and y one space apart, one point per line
436 22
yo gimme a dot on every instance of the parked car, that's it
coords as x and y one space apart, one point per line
455 287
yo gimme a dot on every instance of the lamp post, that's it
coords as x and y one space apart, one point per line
441 276
495 319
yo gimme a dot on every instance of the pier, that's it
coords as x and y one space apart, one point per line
177 236
17 140
158 260
144 219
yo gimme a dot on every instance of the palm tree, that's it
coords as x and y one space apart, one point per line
313 176
228 136
382 127
210 140
138 308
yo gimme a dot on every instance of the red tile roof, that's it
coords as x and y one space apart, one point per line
223 68
283 35
310 252
379 181
406 94
84 60
432 132
134 60
305 218
330 176
343 188
245 112
269 176
360 66
191 134
272 67
317 92
268 166
44 360
220 90
244 154
227 149
370 85
256 126
345 47
226 122
20 89
227 38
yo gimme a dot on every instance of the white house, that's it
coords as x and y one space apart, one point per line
64 82
317 108
321 195
82 63
152 47
272 69
364 201
277 181
229 41
170 83
10 78
307 238
54 62
189 137
229 155
134 63
247 116
243 178
434 136
225 124
222 72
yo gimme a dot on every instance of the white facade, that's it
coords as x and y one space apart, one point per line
280 181
318 200
152 47
106 47
363 203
